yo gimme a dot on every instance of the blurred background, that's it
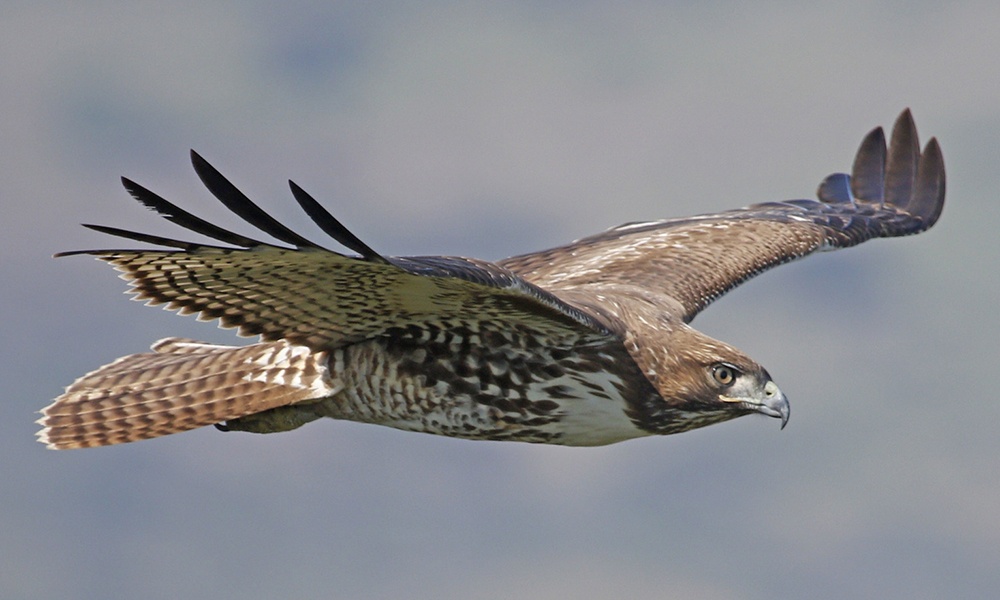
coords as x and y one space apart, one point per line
489 129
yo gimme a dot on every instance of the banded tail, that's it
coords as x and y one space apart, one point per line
182 384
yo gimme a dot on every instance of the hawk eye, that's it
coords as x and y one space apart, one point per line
725 374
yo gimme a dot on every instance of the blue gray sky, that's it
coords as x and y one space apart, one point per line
488 129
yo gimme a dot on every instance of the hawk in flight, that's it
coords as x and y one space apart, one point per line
585 344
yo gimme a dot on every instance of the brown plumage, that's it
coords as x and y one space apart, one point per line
584 344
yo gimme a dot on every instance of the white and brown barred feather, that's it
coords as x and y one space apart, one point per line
183 384
306 301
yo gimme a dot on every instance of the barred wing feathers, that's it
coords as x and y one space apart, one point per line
696 259
315 297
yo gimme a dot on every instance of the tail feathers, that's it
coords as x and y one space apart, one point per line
181 385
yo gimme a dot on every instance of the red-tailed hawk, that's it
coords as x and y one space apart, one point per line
584 344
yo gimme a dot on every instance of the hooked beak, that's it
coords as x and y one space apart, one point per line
775 403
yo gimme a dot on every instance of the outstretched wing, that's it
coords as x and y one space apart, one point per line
315 297
697 259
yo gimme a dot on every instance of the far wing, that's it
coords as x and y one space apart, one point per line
695 260
316 297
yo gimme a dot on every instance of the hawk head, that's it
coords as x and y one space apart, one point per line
701 381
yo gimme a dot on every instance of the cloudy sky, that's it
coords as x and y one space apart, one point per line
488 130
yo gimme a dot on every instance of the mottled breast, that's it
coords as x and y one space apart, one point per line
490 381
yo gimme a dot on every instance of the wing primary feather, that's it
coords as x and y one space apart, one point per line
868 172
331 226
243 207
901 164
836 189
181 217
928 195
136 236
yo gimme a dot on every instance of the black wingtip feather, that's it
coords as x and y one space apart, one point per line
181 217
928 195
136 236
901 177
868 172
331 226
835 189
901 162
242 206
